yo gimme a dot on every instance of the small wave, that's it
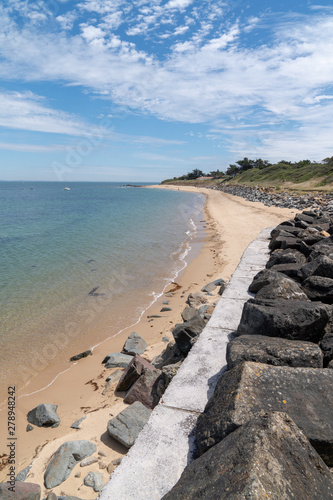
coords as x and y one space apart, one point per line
48 385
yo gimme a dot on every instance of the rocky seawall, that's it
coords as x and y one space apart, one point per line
267 431
270 196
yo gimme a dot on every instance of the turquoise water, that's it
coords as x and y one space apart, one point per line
71 261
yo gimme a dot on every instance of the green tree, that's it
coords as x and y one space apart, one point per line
232 170
195 174
216 174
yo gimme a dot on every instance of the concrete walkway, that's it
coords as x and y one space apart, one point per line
166 444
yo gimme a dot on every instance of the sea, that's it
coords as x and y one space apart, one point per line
78 264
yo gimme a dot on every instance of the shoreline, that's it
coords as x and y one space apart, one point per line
228 232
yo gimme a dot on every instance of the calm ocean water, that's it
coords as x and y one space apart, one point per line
71 261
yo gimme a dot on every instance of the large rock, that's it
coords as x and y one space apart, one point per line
196 299
294 231
306 394
133 371
285 241
319 288
127 425
321 266
282 288
22 491
326 346
135 344
169 356
268 457
304 217
323 247
117 359
285 257
186 334
145 389
264 278
291 270
64 459
311 235
273 351
44 415
294 320
189 313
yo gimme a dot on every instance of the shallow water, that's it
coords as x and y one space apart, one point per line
73 260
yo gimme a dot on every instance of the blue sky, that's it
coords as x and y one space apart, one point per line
113 90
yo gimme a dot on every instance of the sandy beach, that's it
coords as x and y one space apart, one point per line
231 223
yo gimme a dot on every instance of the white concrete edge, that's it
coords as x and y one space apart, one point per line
166 444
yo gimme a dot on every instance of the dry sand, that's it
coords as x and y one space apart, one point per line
231 224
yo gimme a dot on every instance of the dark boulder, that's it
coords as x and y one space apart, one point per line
306 394
290 270
321 266
263 278
311 236
133 371
323 247
319 288
273 351
268 457
145 389
326 345
284 240
288 223
294 320
282 288
294 231
186 334
305 218
288 256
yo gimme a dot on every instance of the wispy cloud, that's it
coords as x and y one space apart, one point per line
31 148
27 111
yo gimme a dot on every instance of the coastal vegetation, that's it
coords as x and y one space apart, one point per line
300 175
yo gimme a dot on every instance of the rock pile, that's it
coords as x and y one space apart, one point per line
271 197
267 431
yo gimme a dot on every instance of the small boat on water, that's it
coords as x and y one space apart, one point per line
67 189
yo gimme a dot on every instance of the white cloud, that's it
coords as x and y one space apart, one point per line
31 148
66 21
27 111
180 30
178 4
